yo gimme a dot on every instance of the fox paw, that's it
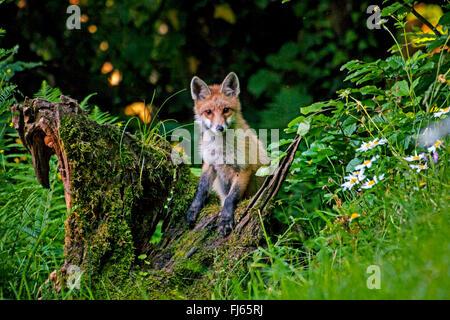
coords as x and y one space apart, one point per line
191 217
225 226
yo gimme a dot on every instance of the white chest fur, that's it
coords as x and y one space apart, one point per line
219 149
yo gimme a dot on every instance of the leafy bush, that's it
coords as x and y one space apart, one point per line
393 100
369 185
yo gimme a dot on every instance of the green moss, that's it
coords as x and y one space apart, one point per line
109 210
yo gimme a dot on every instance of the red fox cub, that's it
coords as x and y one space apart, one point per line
230 150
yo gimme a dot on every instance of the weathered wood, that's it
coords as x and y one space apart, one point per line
37 123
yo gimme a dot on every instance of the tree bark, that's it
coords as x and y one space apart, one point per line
117 191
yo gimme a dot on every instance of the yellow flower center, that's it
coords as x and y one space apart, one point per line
416 157
366 162
353 181
438 143
354 215
371 182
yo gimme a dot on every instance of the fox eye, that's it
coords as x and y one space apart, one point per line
208 111
225 110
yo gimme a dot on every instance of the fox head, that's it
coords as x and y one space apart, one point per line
216 106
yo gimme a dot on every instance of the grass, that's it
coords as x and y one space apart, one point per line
31 230
404 231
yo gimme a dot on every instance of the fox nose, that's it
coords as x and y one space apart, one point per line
220 128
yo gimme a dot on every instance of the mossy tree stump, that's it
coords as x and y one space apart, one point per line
117 190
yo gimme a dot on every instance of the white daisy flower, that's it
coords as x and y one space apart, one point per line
377 142
419 167
371 144
348 185
354 178
415 157
356 174
359 174
436 145
367 163
369 184
365 146
441 112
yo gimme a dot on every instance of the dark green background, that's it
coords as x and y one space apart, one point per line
286 54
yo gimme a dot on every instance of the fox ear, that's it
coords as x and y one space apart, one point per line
199 89
230 86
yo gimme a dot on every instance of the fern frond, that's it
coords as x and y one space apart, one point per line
48 93
101 116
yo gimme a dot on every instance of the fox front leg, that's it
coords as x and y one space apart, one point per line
204 186
226 220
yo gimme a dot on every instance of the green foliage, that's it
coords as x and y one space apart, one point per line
48 93
404 233
8 68
394 100
344 212
31 218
